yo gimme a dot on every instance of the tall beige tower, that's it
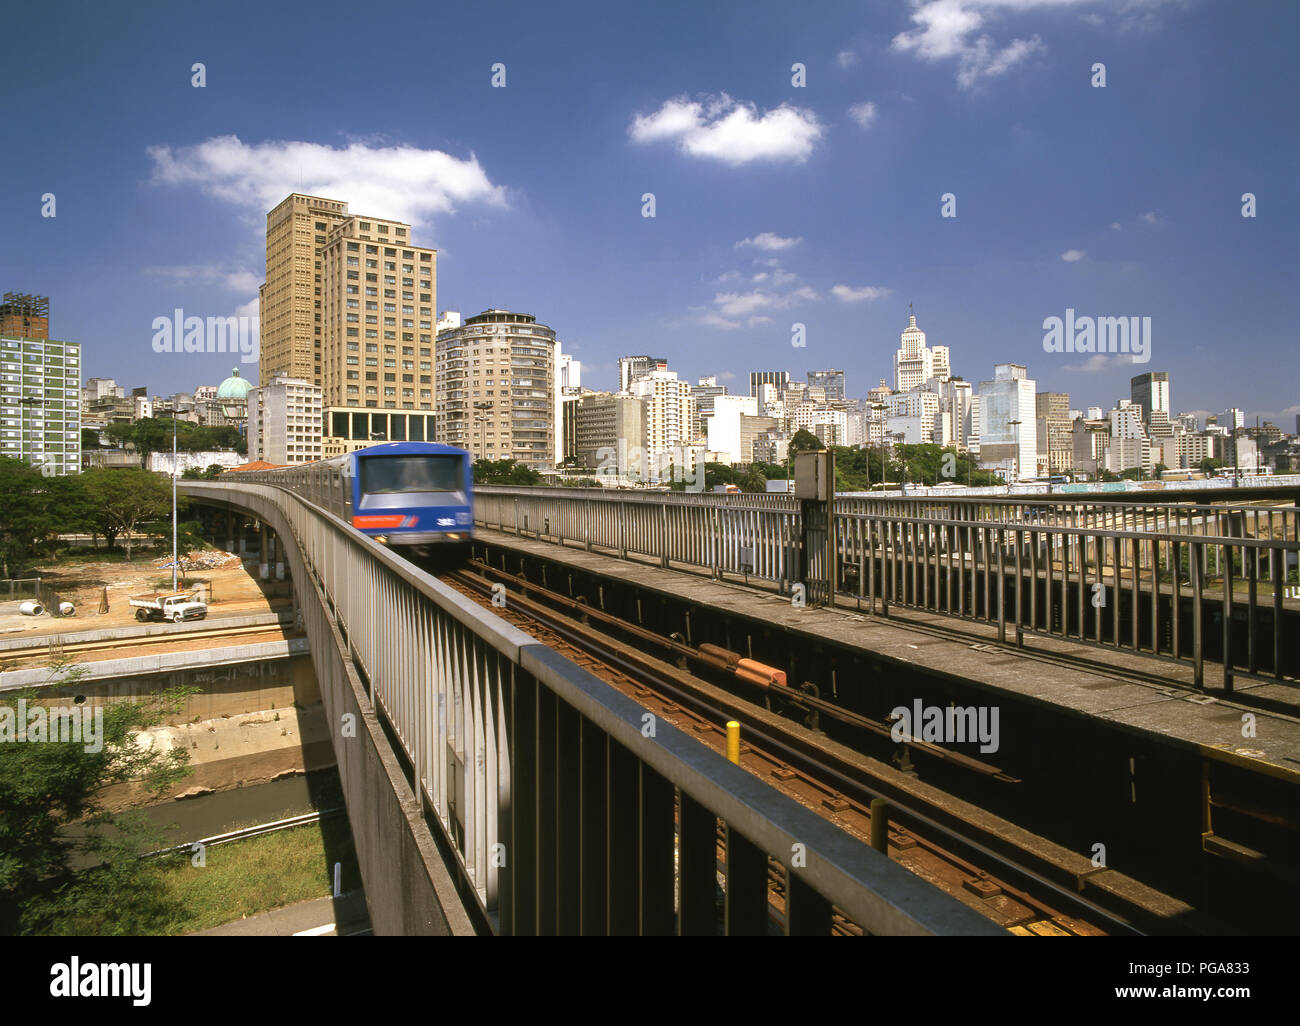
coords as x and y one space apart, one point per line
289 301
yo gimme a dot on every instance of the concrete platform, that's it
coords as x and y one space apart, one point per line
1171 711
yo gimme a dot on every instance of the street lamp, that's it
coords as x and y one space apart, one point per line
174 469
1016 472
481 418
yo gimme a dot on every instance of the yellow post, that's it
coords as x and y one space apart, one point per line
733 741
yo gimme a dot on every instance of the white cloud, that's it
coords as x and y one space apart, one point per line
846 58
780 277
948 29
738 304
863 113
726 375
761 276
727 276
848 294
715 321
732 132
1097 362
1071 256
1150 217
753 322
748 304
236 281
770 241
1115 226
400 182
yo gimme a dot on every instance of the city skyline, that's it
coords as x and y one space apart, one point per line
775 204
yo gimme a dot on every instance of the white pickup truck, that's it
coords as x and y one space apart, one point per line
176 607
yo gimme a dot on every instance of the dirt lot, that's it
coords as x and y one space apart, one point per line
234 590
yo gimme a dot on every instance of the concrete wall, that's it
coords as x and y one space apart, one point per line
408 888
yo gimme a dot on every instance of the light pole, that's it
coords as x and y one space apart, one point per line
480 418
174 468
1016 472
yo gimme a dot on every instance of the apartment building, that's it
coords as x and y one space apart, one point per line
496 388
40 403
284 421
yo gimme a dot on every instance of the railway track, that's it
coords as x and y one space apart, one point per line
956 847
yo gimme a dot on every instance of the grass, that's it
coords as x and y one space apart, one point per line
244 878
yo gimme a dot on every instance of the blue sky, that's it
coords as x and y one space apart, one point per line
774 203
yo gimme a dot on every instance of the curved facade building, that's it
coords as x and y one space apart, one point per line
495 382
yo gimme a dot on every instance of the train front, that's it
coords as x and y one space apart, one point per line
416 495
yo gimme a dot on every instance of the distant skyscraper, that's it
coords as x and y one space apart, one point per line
915 363
632 367
1008 433
831 380
778 378
1150 391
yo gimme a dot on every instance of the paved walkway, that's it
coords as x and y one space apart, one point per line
345 916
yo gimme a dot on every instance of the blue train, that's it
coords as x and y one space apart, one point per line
416 495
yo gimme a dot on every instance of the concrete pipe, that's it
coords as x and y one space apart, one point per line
66 609
31 608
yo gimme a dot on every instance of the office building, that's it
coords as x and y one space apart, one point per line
1008 429
1150 393
1055 433
779 379
832 381
608 426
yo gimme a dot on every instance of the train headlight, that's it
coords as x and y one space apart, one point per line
381 538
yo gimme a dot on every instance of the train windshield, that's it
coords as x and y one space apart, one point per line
382 475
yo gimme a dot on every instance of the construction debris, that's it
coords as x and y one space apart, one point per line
213 559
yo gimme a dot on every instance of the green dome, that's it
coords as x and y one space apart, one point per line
234 387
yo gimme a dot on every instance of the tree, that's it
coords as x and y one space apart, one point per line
752 480
126 498
48 784
504 472
26 515
805 441
1209 465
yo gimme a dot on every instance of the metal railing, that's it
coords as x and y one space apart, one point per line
1188 582
568 807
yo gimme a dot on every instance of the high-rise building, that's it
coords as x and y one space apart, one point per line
284 421
1055 433
608 427
913 362
1150 392
24 316
40 403
632 367
669 421
495 384
568 388
778 378
378 295
830 380
289 301
1008 429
